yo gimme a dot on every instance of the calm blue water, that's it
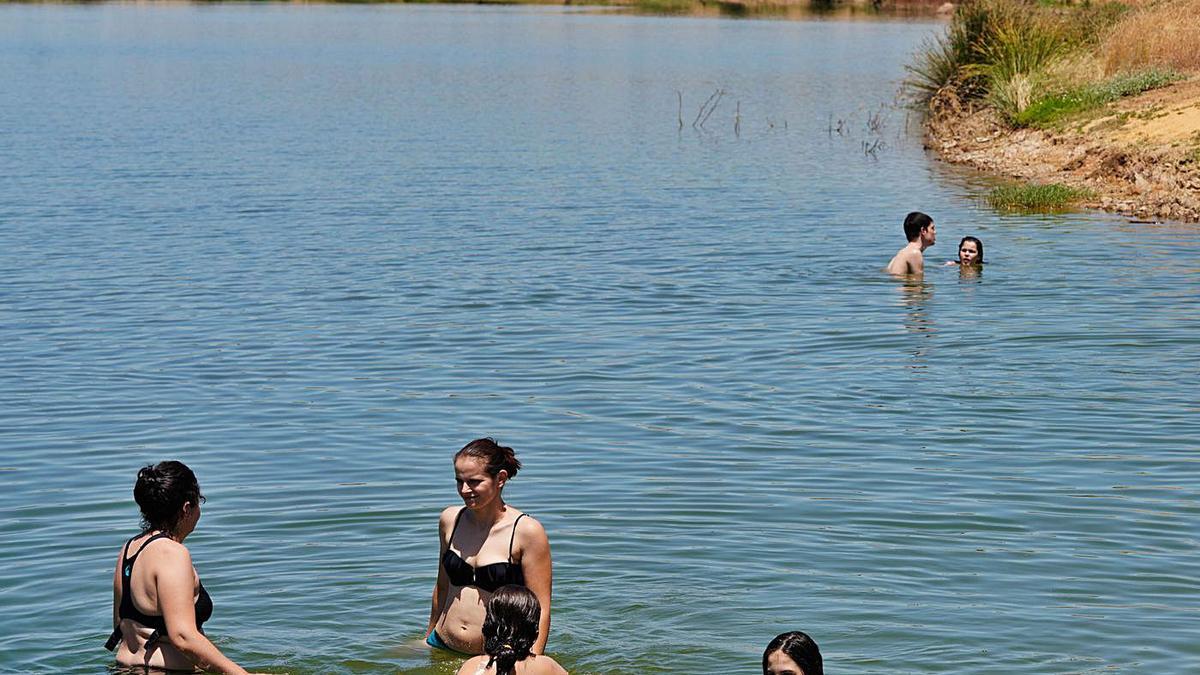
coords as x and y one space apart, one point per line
312 250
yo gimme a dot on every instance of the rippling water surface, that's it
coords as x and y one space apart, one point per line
312 250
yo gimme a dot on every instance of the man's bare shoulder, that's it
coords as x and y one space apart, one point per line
905 261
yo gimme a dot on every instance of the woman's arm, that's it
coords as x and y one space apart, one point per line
175 583
117 591
442 586
535 563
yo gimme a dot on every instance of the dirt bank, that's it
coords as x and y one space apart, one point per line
1140 156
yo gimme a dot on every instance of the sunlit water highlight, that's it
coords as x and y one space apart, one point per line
311 251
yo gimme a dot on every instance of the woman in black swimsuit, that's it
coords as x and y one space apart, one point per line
159 603
485 545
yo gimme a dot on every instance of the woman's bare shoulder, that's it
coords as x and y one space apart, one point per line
471 666
548 666
529 530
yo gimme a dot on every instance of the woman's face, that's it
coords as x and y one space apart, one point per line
190 517
779 663
968 253
475 485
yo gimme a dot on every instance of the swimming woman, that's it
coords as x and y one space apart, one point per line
485 544
509 631
970 253
159 603
792 653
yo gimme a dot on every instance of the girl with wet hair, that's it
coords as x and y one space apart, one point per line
792 653
485 544
159 603
509 631
970 253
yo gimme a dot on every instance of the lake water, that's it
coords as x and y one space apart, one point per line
312 250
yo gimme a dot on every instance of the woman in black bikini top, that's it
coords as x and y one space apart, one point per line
159 603
485 544
488 577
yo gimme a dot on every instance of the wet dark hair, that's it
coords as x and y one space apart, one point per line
800 648
495 456
914 223
978 245
511 627
161 491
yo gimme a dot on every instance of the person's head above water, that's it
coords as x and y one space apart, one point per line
917 225
511 627
161 491
494 457
970 251
792 653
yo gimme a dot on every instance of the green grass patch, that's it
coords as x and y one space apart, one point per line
1051 109
1036 197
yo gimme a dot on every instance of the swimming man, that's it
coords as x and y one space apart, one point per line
921 234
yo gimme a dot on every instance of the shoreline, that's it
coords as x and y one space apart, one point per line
1139 157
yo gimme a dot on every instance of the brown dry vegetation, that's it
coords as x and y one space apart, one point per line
1138 154
1163 34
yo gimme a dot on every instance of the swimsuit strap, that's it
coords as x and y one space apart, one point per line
457 519
514 536
125 556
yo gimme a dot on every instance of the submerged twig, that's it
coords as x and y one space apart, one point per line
706 110
720 95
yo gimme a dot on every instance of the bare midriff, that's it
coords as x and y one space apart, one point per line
461 624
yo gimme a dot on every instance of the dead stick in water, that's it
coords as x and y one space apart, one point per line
720 95
703 107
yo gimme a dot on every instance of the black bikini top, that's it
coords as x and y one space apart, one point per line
127 610
487 577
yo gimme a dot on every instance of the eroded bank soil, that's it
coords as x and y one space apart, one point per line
1140 156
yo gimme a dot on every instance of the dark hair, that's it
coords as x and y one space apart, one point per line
914 223
510 628
978 245
497 457
161 491
800 648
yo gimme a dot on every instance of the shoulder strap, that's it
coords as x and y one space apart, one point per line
160 535
125 553
514 535
455 528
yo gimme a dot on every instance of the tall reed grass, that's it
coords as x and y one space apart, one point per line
1162 34
1014 54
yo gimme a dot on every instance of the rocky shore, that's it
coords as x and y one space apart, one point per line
1139 156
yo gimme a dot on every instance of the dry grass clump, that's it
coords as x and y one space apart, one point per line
1164 34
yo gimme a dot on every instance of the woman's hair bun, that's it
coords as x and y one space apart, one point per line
161 491
496 457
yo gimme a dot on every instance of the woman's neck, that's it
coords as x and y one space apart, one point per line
489 515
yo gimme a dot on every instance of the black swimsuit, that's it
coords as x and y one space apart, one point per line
127 610
488 577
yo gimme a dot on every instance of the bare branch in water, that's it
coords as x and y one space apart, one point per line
680 95
720 95
704 108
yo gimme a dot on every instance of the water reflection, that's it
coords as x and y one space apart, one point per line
916 296
972 272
